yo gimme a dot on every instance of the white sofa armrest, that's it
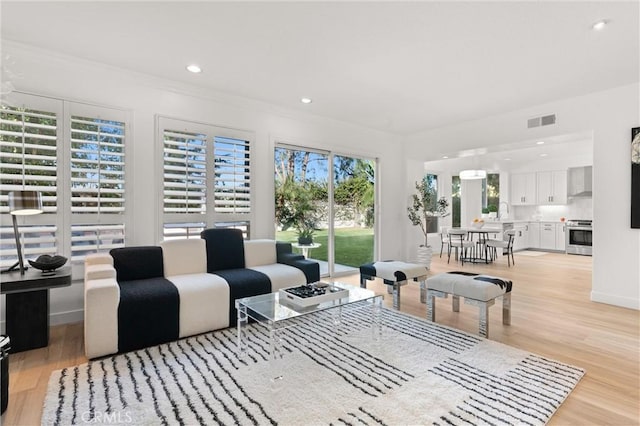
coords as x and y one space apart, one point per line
101 300
98 259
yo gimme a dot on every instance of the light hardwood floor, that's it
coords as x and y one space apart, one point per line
551 316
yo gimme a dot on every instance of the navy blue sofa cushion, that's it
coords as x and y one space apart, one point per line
243 283
137 263
148 313
225 249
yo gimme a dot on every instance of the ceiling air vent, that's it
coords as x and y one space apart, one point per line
544 120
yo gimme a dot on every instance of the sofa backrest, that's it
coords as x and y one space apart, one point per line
259 252
137 263
225 248
184 256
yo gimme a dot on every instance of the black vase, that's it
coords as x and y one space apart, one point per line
305 241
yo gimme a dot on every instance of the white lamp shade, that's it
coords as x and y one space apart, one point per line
473 174
23 203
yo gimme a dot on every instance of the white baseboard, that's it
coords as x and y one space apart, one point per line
68 317
624 302
57 318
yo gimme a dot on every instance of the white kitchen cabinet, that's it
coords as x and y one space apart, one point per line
523 189
551 187
521 240
534 235
547 235
560 236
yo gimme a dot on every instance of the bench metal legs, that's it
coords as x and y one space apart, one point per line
393 288
483 326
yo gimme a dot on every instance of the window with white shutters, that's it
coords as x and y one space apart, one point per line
97 172
74 155
232 175
185 172
92 238
206 177
29 160
28 156
97 165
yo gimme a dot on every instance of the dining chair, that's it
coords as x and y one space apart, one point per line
493 246
458 240
444 239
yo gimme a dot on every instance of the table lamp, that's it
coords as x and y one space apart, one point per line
22 203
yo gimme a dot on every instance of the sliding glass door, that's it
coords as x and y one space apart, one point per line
353 212
301 201
324 205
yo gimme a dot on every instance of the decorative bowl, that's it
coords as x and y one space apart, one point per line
477 225
48 263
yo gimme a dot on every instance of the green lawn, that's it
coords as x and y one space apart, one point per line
354 246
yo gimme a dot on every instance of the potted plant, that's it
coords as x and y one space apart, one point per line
305 233
425 208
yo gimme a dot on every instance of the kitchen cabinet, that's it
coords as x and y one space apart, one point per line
547 236
534 235
560 236
523 189
551 187
521 240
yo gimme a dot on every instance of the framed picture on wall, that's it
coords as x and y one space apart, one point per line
635 177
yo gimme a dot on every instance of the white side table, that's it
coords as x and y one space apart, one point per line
305 248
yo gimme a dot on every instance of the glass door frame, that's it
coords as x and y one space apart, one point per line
330 200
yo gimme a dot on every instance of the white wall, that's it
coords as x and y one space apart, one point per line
144 96
610 115
470 201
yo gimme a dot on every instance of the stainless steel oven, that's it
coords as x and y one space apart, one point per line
579 237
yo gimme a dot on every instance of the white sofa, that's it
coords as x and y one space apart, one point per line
204 297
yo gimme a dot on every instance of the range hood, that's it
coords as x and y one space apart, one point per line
579 182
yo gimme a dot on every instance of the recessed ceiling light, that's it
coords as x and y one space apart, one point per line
306 100
445 156
600 25
540 143
543 155
194 68
507 159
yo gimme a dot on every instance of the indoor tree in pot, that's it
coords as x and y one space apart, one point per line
425 208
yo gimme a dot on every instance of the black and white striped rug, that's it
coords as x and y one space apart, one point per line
420 373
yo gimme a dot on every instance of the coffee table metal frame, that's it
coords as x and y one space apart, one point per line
275 315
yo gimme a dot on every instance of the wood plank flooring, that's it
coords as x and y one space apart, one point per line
551 316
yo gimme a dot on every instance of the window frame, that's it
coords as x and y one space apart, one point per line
211 217
62 218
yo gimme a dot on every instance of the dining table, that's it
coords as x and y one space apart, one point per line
478 235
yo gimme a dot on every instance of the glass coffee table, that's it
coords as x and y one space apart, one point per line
275 314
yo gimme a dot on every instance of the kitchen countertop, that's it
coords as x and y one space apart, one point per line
496 222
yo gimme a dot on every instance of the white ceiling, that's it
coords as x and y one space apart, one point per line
557 152
398 67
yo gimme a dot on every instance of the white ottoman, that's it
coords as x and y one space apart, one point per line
477 290
395 274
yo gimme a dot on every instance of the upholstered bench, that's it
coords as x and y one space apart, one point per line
395 274
477 290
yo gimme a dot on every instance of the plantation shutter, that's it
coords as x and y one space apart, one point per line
206 178
97 185
185 172
97 165
28 158
232 181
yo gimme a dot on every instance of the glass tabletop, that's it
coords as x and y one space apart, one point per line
269 307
